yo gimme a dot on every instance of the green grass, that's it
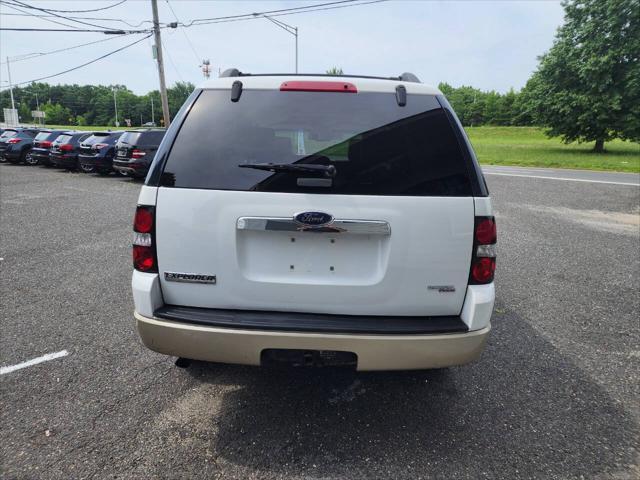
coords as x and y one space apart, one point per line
529 146
89 128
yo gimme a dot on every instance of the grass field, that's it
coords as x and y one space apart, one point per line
528 146
86 128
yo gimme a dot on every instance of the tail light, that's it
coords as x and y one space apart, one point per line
98 146
44 144
138 154
144 249
13 141
66 147
314 86
483 261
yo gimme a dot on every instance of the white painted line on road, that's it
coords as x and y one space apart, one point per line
35 361
564 179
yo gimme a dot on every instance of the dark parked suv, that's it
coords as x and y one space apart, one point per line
97 151
64 150
16 143
135 151
39 154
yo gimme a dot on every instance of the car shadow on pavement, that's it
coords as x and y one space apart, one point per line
524 410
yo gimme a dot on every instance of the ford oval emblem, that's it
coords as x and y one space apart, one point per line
313 219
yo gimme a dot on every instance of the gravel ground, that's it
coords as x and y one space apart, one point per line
555 395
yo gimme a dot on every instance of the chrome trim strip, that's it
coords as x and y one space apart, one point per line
283 224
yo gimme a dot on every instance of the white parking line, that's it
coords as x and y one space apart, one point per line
35 361
561 178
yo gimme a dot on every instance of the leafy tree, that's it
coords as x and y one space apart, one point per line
587 87
335 71
56 113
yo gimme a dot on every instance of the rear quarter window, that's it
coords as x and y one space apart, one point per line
377 147
8 134
151 138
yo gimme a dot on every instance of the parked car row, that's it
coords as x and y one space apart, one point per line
127 152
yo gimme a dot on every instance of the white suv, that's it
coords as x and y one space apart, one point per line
315 220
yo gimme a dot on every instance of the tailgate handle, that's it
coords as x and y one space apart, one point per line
284 224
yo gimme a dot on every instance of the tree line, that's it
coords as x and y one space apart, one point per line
586 87
81 105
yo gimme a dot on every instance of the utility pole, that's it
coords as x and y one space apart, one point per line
153 119
115 106
38 109
163 86
286 27
13 105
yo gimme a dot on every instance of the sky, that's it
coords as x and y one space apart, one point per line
491 45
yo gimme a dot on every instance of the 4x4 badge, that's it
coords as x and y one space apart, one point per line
189 277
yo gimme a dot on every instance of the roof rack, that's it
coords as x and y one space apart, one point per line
234 72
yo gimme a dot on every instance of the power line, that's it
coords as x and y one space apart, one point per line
198 57
133 25
280 12
85 64
24 12
19 3
166 50
86 11
80 30
29 56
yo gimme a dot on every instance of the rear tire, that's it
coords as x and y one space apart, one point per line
87 168
30 160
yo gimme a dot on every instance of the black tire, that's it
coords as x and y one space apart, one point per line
86 169
30 160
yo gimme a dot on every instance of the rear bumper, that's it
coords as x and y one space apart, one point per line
10 154
374 352
199 339
64 161
41 156
96 161
133 168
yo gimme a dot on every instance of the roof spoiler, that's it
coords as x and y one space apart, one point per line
409 77
231 72
405 77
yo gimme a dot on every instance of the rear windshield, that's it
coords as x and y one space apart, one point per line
8 134
376 146
101 137
63 139
142 138
42 135
47 136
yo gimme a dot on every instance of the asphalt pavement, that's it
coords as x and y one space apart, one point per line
589 176
555 394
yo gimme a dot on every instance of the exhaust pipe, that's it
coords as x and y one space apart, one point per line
183 362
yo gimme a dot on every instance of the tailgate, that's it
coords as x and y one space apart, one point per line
380 256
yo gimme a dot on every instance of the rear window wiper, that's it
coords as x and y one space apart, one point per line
326 170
